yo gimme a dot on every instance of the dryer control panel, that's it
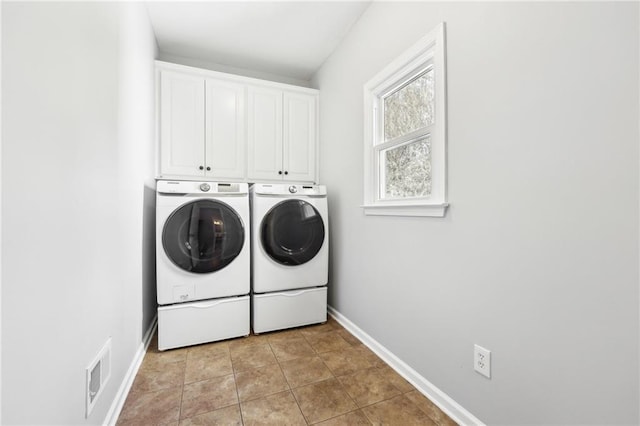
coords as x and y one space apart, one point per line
287 189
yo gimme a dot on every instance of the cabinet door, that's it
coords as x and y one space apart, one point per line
299 141
225 130
181 124
265 134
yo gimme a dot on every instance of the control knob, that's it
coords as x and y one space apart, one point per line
293 189
205 187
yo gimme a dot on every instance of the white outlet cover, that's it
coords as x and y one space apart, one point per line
482 360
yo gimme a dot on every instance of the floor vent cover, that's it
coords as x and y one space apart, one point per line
98 373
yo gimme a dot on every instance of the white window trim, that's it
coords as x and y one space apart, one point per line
428 51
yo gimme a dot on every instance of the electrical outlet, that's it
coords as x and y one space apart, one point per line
482 360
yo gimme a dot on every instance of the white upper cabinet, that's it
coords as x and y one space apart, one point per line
265 133
181 124
299 137
202 127
225 130
282 135
231 128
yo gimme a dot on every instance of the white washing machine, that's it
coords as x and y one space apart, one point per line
203 262
290 255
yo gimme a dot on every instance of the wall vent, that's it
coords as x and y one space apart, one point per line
98 374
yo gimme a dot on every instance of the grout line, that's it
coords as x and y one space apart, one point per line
290 388
184 378
235 383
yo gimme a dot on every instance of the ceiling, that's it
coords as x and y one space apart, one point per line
287 38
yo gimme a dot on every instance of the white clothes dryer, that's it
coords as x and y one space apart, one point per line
290 255
202 261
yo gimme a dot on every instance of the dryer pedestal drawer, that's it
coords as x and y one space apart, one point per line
192 323
276 311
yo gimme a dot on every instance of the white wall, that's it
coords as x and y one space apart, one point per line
136 150
77 138
537 258
205 64
1 216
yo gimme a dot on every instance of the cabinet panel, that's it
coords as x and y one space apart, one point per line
225 129
265 133
299 152
182 124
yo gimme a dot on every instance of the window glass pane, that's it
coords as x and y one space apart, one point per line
410 107
405 171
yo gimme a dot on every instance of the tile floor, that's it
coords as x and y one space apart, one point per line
319 374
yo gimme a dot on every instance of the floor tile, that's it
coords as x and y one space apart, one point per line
160 407
154 377
260 382
302 371
330 325
313 330
208 395
200 367
155 358
250 357
325 342
253 339
352 418
395 379
323 400
278 336
209 349
348 337
397 411
291 348
227 416
318 373
136 422
367 387
346 361
278 409
370 355
429 408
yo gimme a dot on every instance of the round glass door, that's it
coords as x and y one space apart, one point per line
203 236
292 232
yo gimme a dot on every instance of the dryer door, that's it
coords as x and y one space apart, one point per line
203 236
292 232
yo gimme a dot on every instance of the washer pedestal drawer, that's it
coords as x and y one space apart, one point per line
286 309
205 321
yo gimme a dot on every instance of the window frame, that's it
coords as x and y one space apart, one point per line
427 53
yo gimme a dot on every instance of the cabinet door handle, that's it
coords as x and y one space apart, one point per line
208 168
286 173
280 172
201 168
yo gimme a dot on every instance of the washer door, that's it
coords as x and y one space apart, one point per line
203 236
292 232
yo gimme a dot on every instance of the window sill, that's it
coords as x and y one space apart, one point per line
422 210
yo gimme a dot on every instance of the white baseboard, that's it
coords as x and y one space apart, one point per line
127 382
454 410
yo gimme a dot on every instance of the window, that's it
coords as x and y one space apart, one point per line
405 134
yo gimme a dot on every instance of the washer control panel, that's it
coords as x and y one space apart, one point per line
200 188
